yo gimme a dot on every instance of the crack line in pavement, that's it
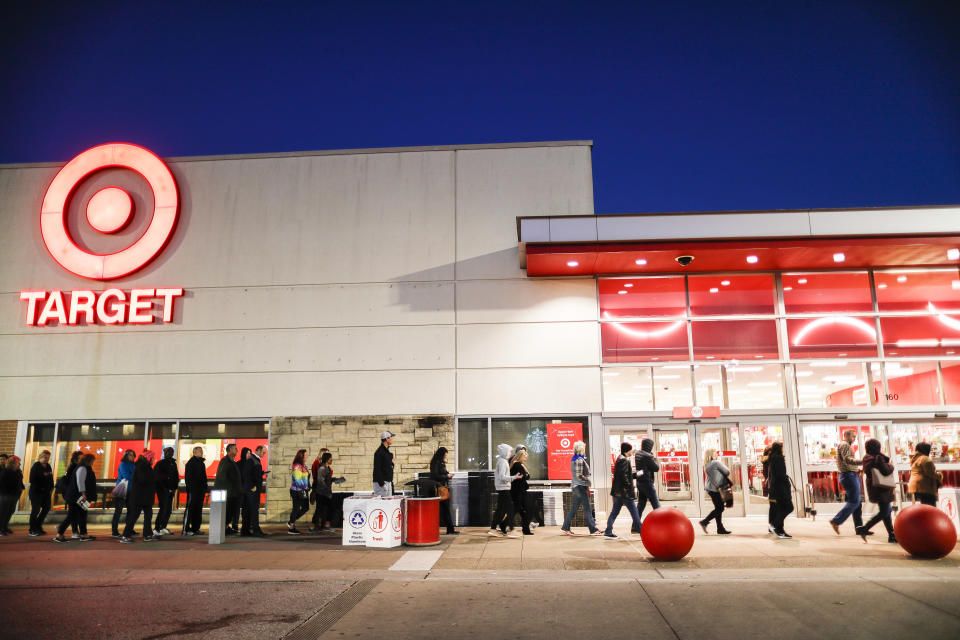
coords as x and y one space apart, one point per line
952 614
663 617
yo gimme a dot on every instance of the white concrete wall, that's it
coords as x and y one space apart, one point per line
319 284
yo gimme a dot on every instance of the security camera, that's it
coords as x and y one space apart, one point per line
684 260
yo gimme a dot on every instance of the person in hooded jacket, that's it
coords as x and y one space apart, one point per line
11 487
717 476
82 484
881 496
228 479
646 468
924 479
195 479
501 482
140 496
41 488
168 479
622 491
124 474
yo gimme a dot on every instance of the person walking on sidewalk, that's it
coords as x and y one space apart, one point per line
41 488
646 468
765 470
440 475
195 479
140 496
11 488
622 491
82 486
717 476
504 514
518 489
124 477
252 477
62 485
580 482
383 467
316 522
781 492
299 491
879 495
847 465
168 479
228 479
323 490
924 478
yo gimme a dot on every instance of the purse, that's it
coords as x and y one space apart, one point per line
120 491
443 493
883 481
726 492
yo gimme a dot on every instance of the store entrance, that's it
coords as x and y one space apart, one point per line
681 449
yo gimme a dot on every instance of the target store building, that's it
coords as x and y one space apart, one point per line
463 296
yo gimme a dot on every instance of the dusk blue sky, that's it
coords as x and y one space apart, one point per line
691 105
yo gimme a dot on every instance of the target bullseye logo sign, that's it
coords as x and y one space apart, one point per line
108 211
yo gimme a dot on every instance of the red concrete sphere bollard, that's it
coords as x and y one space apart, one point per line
925 531
667 534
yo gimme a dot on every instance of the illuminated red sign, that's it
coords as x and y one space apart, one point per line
696 412
560 439
113 306
108 211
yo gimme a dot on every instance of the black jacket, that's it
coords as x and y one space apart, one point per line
519 485
779 482
252 474
41 479
11 482
622 485
647 463
143 485
195 475
439 473
881 462
168 476
228 477
382 465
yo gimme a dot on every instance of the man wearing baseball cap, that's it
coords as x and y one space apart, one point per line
383 466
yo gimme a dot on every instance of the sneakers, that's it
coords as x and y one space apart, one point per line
452 533
724 532
566 532
116 535
510 535
892 539
189 533
58 539
610 536
703 525
493 533
595 533
34 534
149 538
87 538
836 527
157 534
165 531
126 540
860 531
528 533
783 535
770 529
75 536
293 531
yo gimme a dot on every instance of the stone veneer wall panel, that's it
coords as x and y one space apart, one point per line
352 440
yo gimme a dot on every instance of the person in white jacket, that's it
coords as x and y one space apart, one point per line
501 481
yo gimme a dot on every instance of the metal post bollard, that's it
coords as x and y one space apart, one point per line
218 516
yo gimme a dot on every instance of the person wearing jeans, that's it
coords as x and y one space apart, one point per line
847 465
580 487
622 492
124 474
717 475
646 470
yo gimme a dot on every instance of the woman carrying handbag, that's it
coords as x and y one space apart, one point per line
440 475
717 478
881 481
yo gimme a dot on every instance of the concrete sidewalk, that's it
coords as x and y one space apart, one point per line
549 585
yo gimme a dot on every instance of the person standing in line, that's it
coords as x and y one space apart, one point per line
780 489
299 491
847 465
881 496
518 489
252 490
140 496
124 475
440 475
717 475
323 490
245 454
765 470
168 479
502 479
3 460
41 489
63 485
580 482
316 522
82 485
383 467
11 488
646 468
228 479
925 481
622 491
195 479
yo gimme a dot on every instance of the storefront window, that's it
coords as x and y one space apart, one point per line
534 433
719 295
672 387
950 371
933 335
917 289
39 439
644 341
832 337
107 441
830 292
709 385
628 389
642 297
472 444
832 383
912 383
754 386
213 438
757 438
735 339
944 440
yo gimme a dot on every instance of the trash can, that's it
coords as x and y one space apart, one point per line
384 522
355 520
421 521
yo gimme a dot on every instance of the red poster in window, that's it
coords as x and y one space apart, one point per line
560 439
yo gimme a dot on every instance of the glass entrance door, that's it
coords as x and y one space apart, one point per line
725 442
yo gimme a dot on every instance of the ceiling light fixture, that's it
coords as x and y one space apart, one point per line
802 281
725 283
